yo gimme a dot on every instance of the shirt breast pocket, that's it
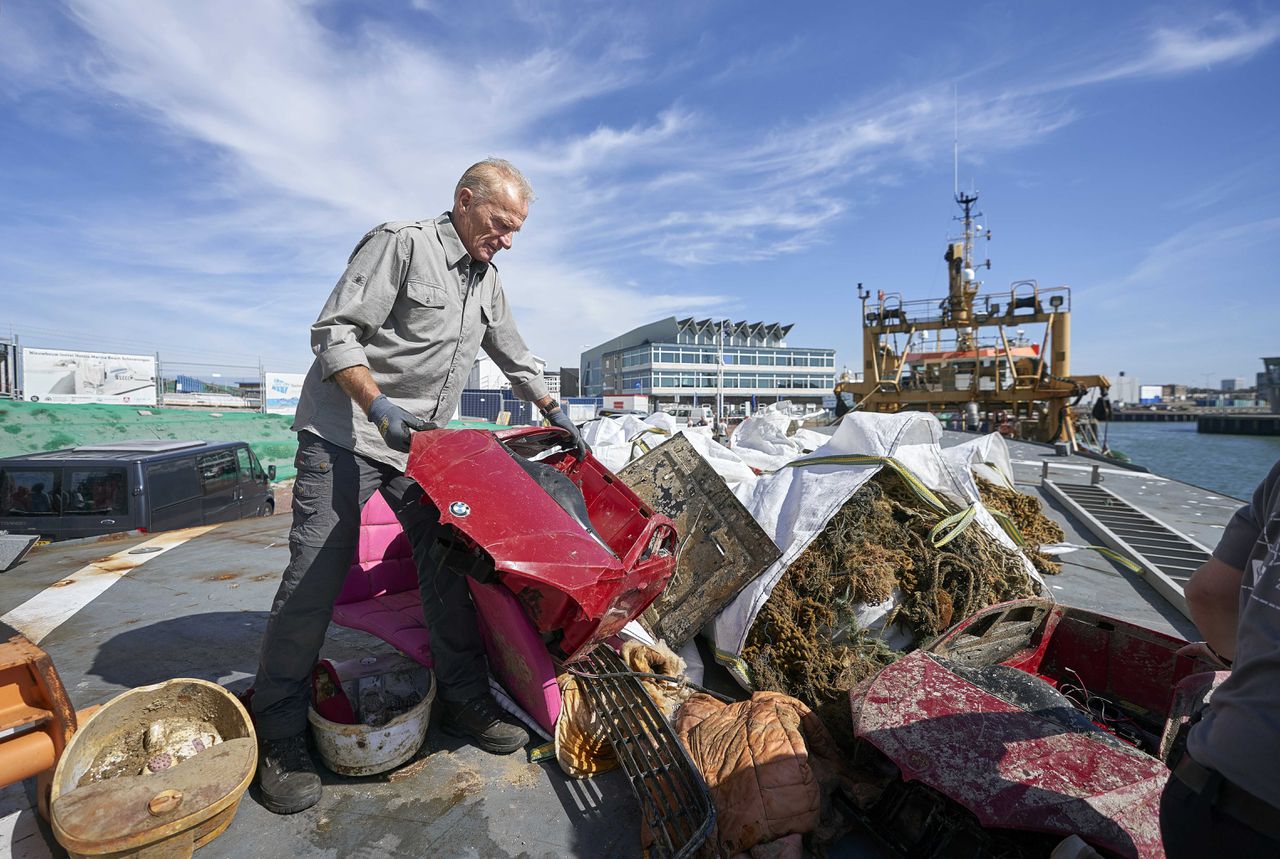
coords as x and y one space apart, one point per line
423 312
423 294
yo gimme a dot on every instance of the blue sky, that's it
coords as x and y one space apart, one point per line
184 178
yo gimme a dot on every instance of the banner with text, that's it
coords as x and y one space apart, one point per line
66 376
280 392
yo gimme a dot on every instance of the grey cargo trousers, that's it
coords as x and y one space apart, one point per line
332 487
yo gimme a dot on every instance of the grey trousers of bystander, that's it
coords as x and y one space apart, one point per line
331 489
1206 820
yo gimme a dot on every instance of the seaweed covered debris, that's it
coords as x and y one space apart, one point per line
806 641
1026 513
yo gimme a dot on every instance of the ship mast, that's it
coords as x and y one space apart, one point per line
963 285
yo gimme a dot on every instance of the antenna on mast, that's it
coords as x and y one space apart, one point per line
955 141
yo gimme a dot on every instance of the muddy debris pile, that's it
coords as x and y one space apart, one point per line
163 744
1026 513
806 641
373 700
383 697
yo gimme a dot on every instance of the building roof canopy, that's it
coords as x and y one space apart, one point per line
776 330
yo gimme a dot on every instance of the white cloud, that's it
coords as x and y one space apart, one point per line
1189 257
1225 39
1168 51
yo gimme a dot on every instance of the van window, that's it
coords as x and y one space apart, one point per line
217 471
30 491
259 473
94 491
172 481
246 468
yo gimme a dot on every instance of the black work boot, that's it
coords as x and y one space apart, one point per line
286 775
483 722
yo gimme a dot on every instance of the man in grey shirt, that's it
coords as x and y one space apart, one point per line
394 345
1224 796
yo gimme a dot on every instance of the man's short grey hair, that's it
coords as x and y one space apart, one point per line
484 178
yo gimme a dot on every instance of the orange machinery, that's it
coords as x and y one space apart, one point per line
36 716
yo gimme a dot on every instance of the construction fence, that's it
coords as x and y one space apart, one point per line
66 376
71 376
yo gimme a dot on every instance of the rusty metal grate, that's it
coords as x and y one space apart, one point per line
673 797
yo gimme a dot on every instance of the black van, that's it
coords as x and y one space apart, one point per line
121 486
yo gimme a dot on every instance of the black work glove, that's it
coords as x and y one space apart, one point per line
395 424
558 418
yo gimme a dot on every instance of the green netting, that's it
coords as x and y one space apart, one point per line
33 427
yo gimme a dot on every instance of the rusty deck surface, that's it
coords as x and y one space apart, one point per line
198 609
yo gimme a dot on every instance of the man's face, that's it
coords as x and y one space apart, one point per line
489 226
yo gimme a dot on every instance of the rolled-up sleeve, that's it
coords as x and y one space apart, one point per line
502 342
360 303
1242 532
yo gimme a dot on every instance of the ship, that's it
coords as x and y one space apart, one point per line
971 357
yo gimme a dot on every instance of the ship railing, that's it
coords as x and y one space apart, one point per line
1023 298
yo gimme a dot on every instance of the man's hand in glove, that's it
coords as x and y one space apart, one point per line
395 424
558 418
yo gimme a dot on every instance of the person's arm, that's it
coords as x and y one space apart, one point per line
1213 591
359 304
502 342
1213 596
358 384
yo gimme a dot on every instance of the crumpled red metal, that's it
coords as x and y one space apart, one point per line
578 588
1031 760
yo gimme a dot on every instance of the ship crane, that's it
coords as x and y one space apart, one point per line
956 355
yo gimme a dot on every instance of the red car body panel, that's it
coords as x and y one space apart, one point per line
1011 768
1023 766
568 581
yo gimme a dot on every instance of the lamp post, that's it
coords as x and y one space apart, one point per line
720 373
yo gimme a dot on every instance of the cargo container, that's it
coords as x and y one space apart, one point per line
626 403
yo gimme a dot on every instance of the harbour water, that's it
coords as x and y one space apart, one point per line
1231 464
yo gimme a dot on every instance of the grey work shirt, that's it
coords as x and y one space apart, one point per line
415 309
1239 735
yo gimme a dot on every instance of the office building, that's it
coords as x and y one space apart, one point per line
688 360
1269 384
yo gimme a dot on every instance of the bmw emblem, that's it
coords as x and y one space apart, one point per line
460 509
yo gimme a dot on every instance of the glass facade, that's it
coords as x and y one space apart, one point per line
675 360
656 368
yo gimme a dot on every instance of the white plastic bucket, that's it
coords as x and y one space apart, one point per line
361 750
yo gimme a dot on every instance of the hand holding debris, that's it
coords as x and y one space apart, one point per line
1201 650
395 424
560 419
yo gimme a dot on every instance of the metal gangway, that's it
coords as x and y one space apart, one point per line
1166 556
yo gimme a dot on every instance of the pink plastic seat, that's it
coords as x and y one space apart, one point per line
380 597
